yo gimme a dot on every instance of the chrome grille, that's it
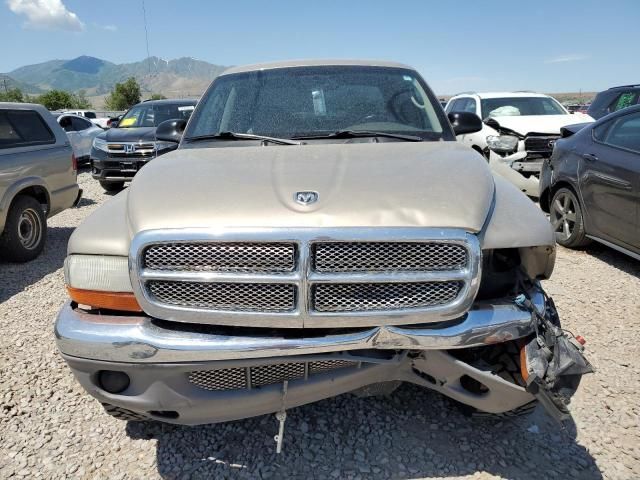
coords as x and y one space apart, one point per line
244 297
362 297
221 257
388 256
305 277
262 375
540 144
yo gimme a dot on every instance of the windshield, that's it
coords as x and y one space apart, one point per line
89 115
499 107
153 115
314 101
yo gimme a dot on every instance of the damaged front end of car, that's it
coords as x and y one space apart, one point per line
552 362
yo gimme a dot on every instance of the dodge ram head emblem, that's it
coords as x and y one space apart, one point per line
306 198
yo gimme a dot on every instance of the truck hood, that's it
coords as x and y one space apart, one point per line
426 184
550 124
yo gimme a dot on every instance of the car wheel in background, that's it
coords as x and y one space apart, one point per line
112 186
565 214
25 230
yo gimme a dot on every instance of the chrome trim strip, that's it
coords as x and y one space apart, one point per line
139 340
304 277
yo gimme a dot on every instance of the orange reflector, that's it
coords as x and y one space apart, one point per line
125 301
523 363
580 339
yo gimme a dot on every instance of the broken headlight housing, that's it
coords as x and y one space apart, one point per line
502 143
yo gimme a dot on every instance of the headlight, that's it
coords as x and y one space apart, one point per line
96 272
100 144
502 143
100 282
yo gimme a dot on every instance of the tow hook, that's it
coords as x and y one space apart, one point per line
552 363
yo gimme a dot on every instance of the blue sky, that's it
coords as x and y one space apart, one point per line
550 46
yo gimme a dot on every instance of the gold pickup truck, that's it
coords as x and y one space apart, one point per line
318 231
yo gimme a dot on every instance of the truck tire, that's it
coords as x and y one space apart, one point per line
112 186
565 214
25 231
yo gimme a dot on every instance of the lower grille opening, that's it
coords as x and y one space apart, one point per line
243 297
262 375
354 297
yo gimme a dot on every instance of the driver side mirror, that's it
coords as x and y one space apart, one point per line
465 122
171 130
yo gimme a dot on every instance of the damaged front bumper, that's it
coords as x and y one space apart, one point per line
203 374
523 174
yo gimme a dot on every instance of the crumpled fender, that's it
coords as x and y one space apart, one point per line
516 222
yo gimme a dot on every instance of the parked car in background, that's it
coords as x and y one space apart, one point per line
102 122
319 230
120 152
81 133
578 108
614 99
591 184
520 129
37 178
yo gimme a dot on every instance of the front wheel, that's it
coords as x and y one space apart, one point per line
565 214
25 231
112 186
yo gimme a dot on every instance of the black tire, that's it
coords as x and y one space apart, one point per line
112 186
565 215
25 231
124 414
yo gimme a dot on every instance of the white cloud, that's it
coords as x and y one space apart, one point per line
108 28
567 58
46 14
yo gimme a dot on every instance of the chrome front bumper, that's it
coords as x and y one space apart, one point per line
140 339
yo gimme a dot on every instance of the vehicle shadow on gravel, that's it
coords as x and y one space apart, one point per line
15 277
411 434
616 259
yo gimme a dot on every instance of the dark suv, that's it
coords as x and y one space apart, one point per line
614 99
118 153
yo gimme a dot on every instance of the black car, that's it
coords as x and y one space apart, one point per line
614 99
591 184
118 153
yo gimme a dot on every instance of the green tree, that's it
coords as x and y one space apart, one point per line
81 102
157 96
56 100
124 95
13 95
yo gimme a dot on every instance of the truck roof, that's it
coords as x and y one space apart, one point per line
314 63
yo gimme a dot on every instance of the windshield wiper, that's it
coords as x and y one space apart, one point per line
242 136
362 133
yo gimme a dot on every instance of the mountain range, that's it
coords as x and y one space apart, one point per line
179 77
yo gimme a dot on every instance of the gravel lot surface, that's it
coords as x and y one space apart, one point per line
49 428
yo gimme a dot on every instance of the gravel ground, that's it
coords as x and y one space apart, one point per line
49 428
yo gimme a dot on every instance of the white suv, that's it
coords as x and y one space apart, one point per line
520 130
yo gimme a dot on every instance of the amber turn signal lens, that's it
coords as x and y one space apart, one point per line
524 371
125 301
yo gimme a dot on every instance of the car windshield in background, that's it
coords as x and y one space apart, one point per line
153 115
316 101
89 114
499 107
